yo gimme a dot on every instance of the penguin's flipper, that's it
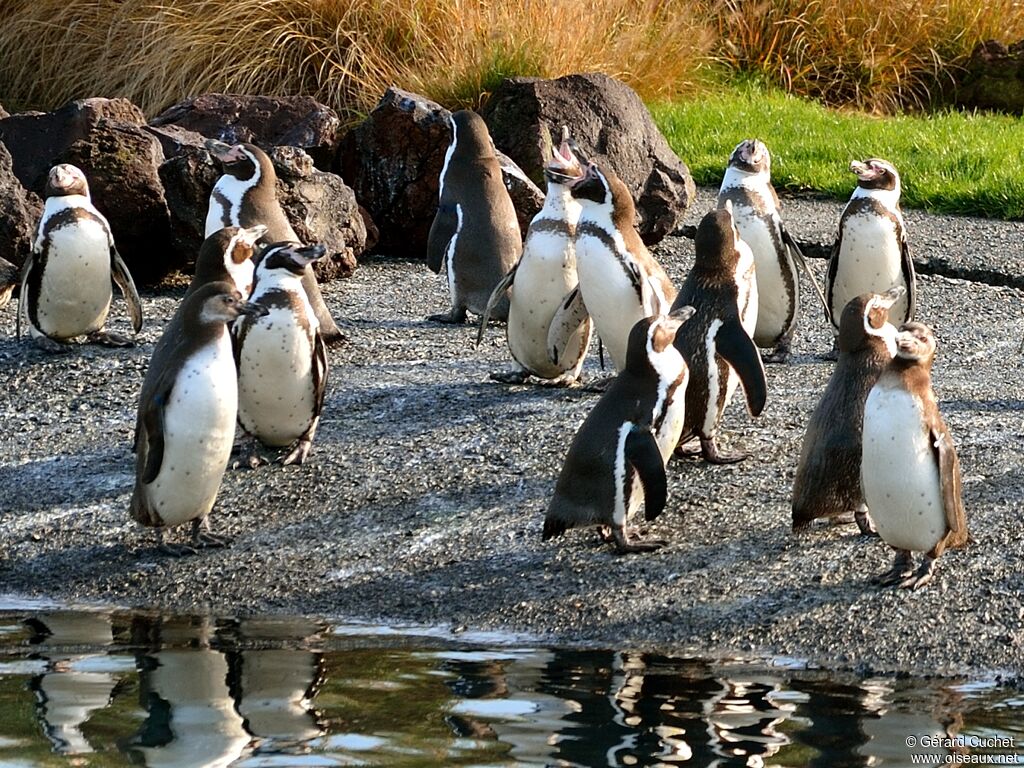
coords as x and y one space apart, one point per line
798 257
830 279
737 348
442 230
123 280
949 479
643 454
909 277
496 296
151 420
569 322
319 373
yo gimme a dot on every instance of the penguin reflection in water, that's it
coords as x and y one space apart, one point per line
617 459
65 282
910 470
827 482
186 421
281 355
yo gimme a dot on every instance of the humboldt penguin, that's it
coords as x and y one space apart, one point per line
186 419
548 329
475 234
870 254
65 282
617 459
717 342
8 279
755 207
246 195
910 471
827 482
619 279
281 356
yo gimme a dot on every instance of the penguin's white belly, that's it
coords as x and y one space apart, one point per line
199 430
546 274
671 428
75 292
275 379
776 301
870 261
609 294
232 190
899 472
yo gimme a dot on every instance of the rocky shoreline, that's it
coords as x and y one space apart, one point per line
424 495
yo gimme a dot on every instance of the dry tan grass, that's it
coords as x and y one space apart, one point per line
343 52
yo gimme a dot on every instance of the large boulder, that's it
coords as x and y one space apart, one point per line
107 140
297 121
19 213
608 121
393 161
321 209
993 78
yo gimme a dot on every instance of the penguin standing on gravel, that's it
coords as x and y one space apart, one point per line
186 420
909 469
282 359
617 459
827 482
717 342
65 282
755 206
870 254
548 327
475 234
619 279
246 195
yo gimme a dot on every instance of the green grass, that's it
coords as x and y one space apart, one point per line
949 162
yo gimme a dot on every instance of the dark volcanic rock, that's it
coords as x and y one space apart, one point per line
607 119
19 212
188 179
297 121
322 209
393 160
993 78
526 196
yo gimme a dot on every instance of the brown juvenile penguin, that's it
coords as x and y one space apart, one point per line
475 234
827 482
246 195
909 468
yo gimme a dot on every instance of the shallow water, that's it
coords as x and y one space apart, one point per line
112 687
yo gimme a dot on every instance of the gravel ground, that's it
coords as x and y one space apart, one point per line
424 496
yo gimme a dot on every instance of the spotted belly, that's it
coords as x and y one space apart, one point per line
899 472
199 430
870 261
74 291
276 395
610 296
777 281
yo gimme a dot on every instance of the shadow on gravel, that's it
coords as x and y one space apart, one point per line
983 406
61 481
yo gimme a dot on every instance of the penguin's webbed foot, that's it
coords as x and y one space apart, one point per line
176 550
52 346
456 316
299 453
110 339
921 576
514 376
778 355
709 449
333 338
599 385
567 380
627 543
687 449
902 567
864 522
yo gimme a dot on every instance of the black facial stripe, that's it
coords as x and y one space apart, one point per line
225 207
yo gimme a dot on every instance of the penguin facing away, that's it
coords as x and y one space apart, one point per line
871 253
246 195
548 328
475 234
281 356
910 471
827 481
186 419
717 342
755 206
617 459
620 280
65 282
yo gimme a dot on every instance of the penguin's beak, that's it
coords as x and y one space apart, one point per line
866 171
674 319
226 153
253 310
589 173
891 296
249 235
307 254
